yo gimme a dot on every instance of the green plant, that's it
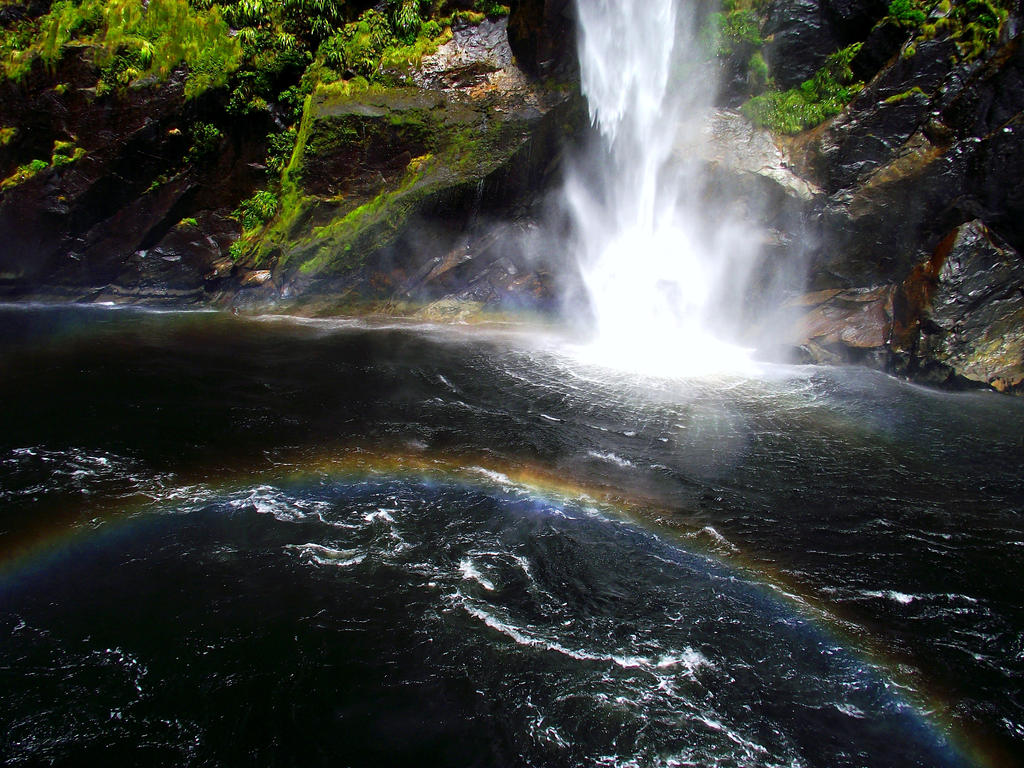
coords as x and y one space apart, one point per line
131 39
257 210
361 44
491 8
405 20
246 13
315 20
734 30
7 135
815 100
279 150
238 248
206 138
907 13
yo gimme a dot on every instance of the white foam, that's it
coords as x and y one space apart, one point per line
469 572
689 660
710 532
497 477
383 515
611 457
898 597
321 555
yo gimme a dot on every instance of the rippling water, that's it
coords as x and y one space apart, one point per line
276 542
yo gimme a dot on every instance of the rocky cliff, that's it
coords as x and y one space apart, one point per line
397 157
904 120
370 165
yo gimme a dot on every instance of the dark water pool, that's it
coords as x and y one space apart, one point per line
229 541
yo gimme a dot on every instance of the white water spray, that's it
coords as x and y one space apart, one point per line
653 257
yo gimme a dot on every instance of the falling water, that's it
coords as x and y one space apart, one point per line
656 262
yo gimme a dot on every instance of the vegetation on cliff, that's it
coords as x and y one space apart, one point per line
250 62
738 33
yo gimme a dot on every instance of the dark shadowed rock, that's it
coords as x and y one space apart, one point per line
81 226
801 36
542 34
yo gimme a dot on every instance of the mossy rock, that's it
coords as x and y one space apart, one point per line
371 160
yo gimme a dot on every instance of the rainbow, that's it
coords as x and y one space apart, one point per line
40 547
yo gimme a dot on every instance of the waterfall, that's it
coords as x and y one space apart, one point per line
656 261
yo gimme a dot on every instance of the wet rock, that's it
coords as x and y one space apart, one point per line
473 53
398 186
974 326
256 277
801 35
957 320
177 269
106 221
843 326
879 48
854 19
931 143
735 145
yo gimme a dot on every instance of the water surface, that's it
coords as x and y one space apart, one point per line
266 541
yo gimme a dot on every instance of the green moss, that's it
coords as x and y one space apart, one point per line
974 25
491 8
7 135
908 94
977 25
814 101
24 173
468 17
757 69
907 13
65 153
405 57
